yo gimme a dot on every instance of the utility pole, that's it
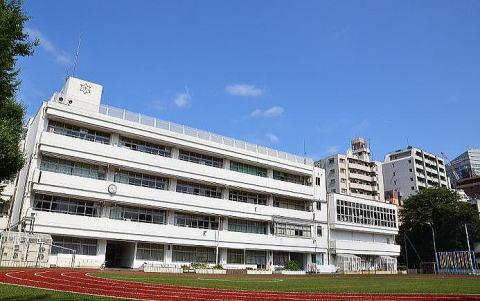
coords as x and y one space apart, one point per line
469 250
434 248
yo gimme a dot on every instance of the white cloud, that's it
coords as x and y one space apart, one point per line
274 111
244 90
61 56
272 138
181 100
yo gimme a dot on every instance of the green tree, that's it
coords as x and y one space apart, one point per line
14 42
441 209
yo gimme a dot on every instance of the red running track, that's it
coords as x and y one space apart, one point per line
80 281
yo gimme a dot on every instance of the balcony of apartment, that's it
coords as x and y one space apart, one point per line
355 165
362 187
123 157
86 188
362 177
106 228
365 248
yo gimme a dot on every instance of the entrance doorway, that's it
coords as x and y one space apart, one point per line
119 254
299 258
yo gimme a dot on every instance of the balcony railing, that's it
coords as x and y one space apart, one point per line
181 129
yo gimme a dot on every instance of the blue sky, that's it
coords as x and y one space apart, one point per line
275 72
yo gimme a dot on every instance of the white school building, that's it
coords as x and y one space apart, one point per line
126 189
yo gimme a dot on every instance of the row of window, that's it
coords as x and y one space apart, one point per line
247 226
196 221
139 179
65 205
366 214
70 245
248 197
237 256
166 151
199 189
151 252
293 230
73 168
193 254
135 214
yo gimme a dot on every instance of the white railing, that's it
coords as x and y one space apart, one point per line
181 129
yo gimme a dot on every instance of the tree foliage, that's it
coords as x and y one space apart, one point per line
440 209
14 42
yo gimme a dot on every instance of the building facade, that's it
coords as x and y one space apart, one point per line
409 170
464 173
127 189
354 174
6 195
362 234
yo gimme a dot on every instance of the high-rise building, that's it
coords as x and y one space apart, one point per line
464 172
125 188
406 171
355 173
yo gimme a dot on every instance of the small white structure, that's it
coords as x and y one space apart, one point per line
362 234
20 249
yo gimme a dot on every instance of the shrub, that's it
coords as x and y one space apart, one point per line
218 267
199 265
292 265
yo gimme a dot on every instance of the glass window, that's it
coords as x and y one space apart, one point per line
73 168
199 189
136 214
366 214
151 252
247 226
248 169
77 132
65 205
196 221
293 230
139 179
146 147
66 245
291 204
235 256
193 254
286 177
258 258
247 197
200 159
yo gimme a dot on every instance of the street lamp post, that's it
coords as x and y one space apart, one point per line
434 248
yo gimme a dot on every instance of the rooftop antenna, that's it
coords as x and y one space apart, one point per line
75 60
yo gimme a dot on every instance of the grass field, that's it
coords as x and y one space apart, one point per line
391 284
18 293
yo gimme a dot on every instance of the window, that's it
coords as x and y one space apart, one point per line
65 245
280 258
199 189
73 168
413 188
331 161
284 229
136 214
411 169
146 147
139 179
151 252
344 190
297 179
358 213
248 169
235 256
342 160
196 221
343 180
193 254
411 179
78 132
65 205
319 205
258 258
291 204
317 181
247 226
319 231
247 197
200 159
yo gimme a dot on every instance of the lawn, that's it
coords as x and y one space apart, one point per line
392 284
18 293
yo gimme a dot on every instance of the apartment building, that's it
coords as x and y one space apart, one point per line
464 172
354 174
406 171
362 234
127 189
